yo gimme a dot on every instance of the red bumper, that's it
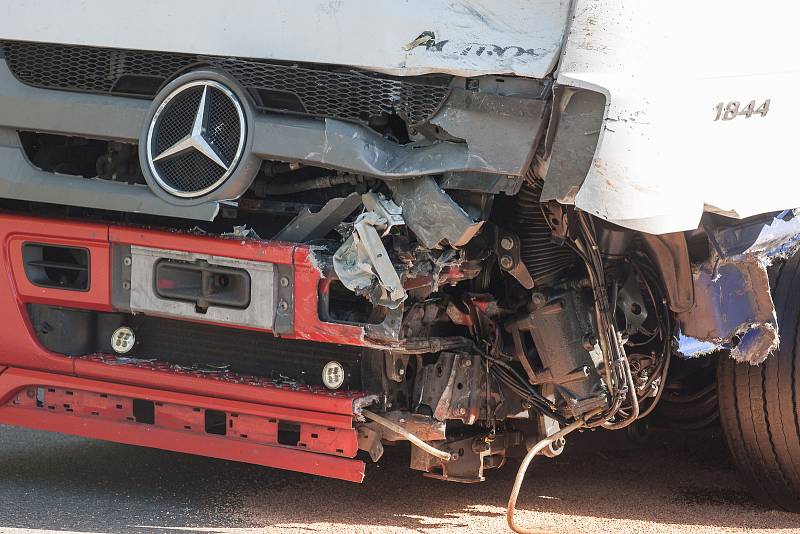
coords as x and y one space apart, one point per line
37 384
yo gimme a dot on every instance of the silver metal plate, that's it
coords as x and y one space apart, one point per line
260 313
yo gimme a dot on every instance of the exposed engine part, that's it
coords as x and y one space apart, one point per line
470 457
546 260
564 340
433 451
453 387
507 249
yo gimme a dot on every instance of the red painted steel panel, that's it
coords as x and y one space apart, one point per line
316 410
306 307
162 378
104 411
173 440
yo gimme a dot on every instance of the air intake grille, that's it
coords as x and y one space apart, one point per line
56 266
348 95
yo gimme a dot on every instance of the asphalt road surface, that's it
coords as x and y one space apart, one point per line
602 483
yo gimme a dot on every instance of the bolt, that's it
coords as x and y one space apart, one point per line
466 363
506 262
283 305
462 411
537 299
127 261
126 285
284 281
506 243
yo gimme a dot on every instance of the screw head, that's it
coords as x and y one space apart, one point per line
126 285
283 305
284 281
127 261
506 243
506 262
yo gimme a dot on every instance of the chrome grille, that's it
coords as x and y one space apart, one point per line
190 172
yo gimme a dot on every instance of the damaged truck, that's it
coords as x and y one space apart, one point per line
292 234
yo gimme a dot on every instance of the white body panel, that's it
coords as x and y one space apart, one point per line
474 37
662 159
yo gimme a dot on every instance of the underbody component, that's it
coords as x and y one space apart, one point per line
296 438
453 388
471 457
564 340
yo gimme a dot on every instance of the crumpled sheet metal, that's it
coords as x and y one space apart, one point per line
733 303
363 265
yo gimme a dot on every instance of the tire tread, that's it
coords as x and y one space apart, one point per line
758 404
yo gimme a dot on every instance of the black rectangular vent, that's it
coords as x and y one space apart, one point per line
56 266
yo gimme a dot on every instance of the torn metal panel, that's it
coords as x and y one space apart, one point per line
432 215
733 303
385 209
363 265
733 308
310 225
502 129
768 236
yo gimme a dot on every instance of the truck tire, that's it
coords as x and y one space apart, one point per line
760 405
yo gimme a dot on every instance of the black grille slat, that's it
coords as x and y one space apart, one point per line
352 95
